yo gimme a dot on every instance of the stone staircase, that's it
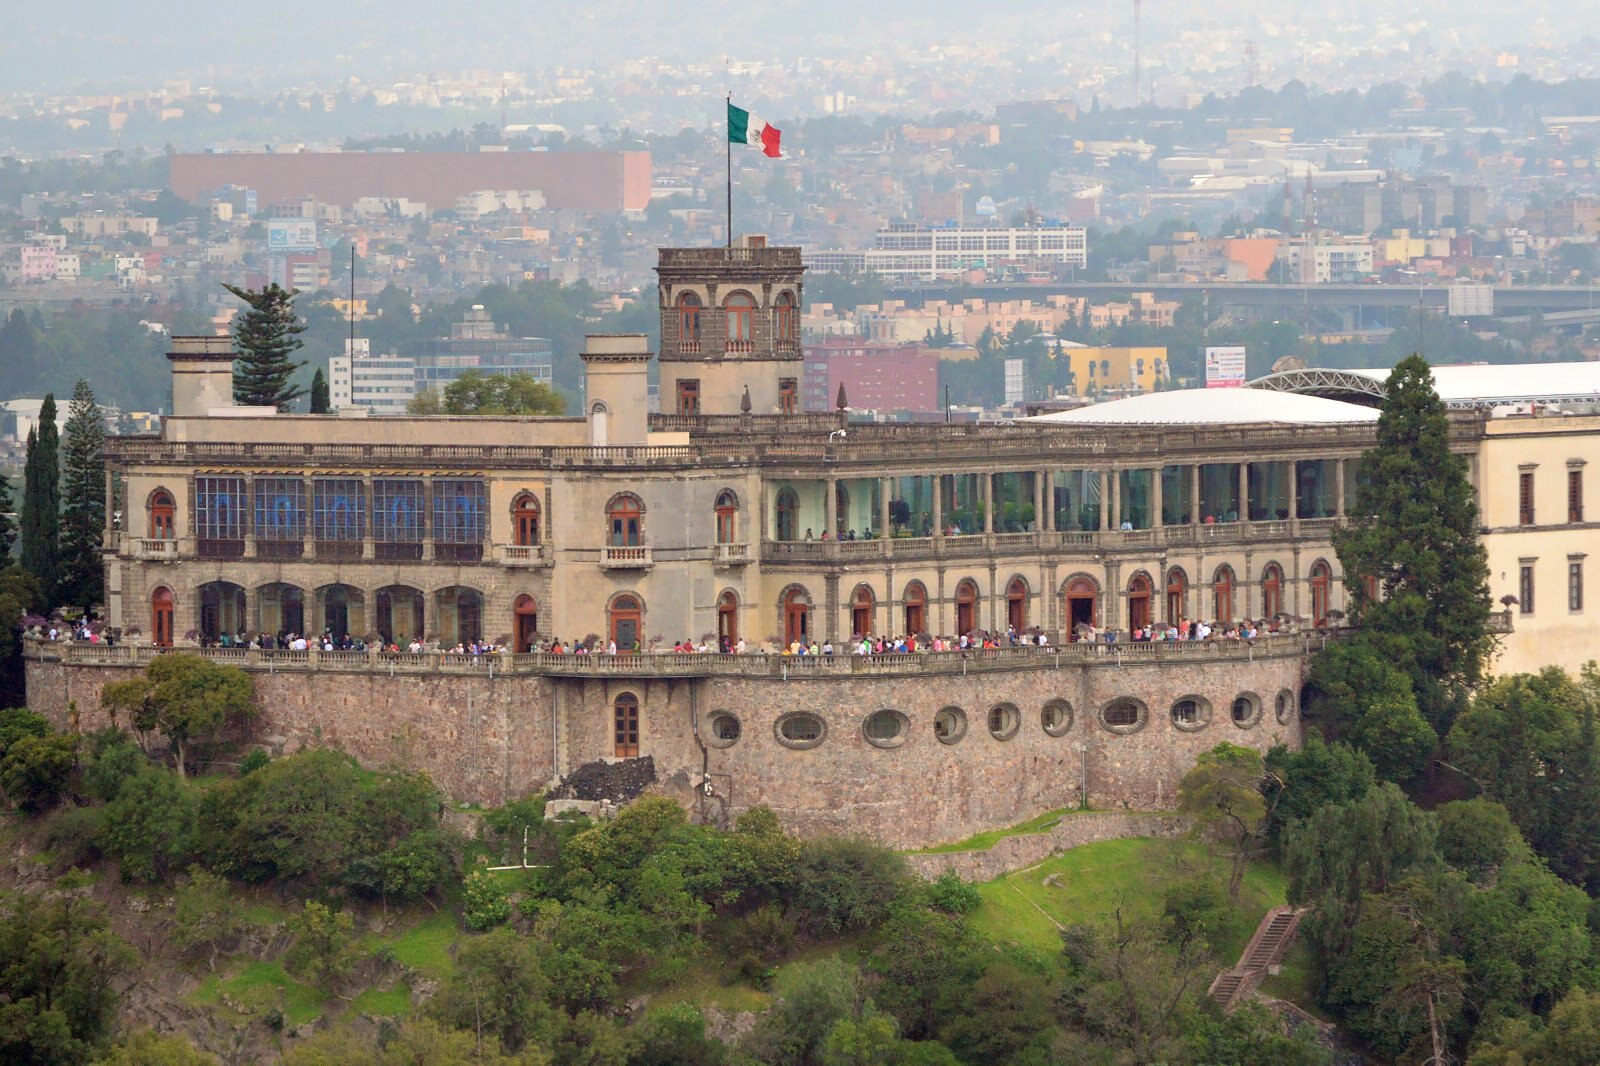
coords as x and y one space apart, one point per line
1266 948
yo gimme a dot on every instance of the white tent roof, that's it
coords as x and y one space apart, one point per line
1206 407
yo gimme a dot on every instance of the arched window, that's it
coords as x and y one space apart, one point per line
788 508
785 319
1082 605
796 606
740 308
162 512
222 610
400 610
625 726
525 520
727 620
626 620
915 604
1017 604
161 617
863 606
1139 601
1321 580
525 613
1222 593
1272 591
626 516
689 320
727 508
966 606
458 615
1177 594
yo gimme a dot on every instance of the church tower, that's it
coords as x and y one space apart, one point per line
730 326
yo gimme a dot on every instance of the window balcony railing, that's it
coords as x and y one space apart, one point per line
731 554
521 554
733 347
689 347
633 558
154 548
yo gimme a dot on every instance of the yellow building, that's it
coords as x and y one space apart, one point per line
1094 370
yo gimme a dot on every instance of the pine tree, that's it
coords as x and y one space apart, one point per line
1415 532
8 521
83 509
266 336
41 501
319 393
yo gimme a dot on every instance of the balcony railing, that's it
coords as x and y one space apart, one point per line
739 347
520 554
153 548
731 554
631 558
1181 654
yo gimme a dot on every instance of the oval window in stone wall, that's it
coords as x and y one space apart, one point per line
1123 715
950 725
800 730
725 730
886 729
1191 714
1056 718
1004 721
1285 708
1246 710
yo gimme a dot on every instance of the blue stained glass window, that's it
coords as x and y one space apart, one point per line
338 509
219 508
280 509
458 511
397 510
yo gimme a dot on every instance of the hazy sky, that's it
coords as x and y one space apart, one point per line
93 44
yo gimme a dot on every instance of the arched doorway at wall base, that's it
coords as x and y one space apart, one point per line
525 618
1083 607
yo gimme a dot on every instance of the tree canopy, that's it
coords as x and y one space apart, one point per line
183 697
266 336
476 393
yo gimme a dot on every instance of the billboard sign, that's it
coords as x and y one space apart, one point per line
1224 368
292 235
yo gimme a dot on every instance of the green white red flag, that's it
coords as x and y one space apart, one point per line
745 128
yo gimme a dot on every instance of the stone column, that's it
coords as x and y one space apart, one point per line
883 506
1244 492
1294 491
938 507
1338 487
988 502
1115 479
1038 501
830 628
368 542
1194 494
1156 521
830 507
1047 517
1105 499
762 515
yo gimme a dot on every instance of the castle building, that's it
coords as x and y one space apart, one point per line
739 517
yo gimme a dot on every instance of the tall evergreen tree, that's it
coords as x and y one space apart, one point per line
1415 534
41 501
8 520
319 393
266 336
83 504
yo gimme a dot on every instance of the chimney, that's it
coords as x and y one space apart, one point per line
202 375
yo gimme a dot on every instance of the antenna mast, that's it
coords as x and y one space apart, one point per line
1137 4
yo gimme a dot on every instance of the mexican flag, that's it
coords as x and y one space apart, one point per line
745 128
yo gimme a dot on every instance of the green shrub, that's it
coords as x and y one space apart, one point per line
845 884
255 760
948 892
484 902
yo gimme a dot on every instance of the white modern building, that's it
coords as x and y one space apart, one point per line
383 384
905 252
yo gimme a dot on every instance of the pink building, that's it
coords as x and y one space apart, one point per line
889 378
38 262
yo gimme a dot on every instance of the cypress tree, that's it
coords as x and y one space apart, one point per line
319 393
8 521
266 336
1415 533
41 501
83 509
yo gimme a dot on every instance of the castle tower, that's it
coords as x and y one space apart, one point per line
730 321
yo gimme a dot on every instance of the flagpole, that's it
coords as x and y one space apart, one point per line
729 146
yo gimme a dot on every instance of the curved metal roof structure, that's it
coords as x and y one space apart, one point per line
1467 387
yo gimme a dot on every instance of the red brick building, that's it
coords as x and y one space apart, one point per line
879 377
